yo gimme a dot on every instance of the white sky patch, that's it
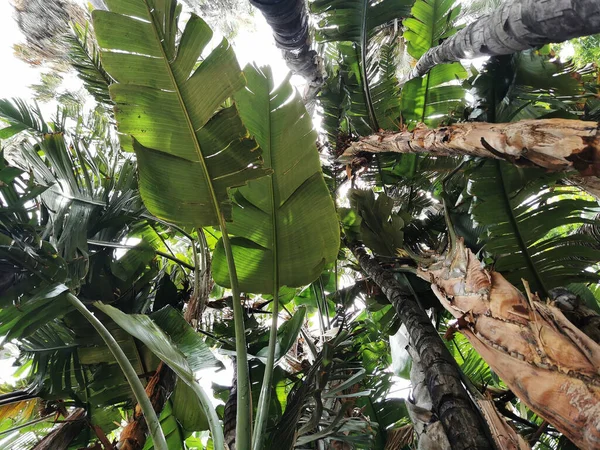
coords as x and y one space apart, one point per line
16 75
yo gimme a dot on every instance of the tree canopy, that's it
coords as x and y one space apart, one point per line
403 255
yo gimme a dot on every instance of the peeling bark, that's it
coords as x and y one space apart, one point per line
159 388
552 144
63 435
462 423
515 26
546 361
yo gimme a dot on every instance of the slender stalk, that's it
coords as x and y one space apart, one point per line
211 414
139 392
243 432
262 412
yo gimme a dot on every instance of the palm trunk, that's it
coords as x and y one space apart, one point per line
515 26
546 361
63 435
552 144
462 423
289 22
159 388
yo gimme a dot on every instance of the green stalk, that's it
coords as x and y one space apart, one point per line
158 438
243 430
262 412
211 414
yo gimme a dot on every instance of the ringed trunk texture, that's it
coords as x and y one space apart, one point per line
289 21
516 25
63 435
552 144
461 421
544 359
159 388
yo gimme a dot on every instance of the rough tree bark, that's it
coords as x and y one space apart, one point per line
546 361
289 21
516 25
159 388
462 423
552 144
61 437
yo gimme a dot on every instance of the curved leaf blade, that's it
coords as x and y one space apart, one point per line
189 149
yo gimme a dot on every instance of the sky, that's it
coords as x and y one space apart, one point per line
15 75
251 45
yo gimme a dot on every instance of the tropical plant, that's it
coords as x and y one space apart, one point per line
191 169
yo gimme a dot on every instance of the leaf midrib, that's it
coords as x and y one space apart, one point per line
515 226
188 120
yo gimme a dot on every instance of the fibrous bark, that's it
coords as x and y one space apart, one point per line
427 426
552 144
63 435
289 21
515 26
159 388
544 359
450 401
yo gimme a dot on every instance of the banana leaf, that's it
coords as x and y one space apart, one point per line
190 149
286 222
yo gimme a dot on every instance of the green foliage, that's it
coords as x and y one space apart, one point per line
523 212
84 57
162 343
350 20
531 85
432 98
189 149
20 117
285 222
381 229
381 82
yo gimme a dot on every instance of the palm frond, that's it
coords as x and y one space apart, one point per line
437 95
533 85
531 222
20 116
84 56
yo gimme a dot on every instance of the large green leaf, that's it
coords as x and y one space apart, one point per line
430 98
285 222
190 149
373 222
347 20
531 226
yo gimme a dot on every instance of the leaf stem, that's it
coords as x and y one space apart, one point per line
262 411
158 437
213 420
243 431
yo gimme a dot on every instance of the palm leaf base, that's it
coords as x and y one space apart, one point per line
553 144
546 361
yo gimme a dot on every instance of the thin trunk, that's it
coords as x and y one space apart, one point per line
451 403
63 435
159 388
546 361
552 144
427 426
515 26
